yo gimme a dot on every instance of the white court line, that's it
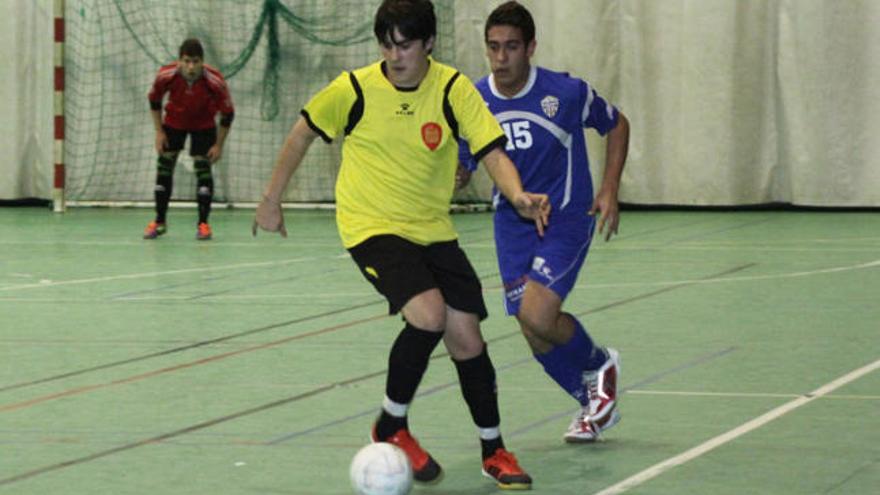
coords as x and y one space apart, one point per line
758 248
833 240
744 278
767 245
165 242
684 393
250 297
660 468
871 264
782 243
167 272
218 298
707 247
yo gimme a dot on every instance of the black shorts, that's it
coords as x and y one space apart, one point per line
400 269
199 142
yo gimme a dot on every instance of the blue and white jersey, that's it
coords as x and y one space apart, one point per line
544 125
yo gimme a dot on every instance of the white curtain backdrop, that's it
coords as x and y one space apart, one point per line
26 96
732 102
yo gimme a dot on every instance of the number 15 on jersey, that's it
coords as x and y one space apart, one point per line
519 137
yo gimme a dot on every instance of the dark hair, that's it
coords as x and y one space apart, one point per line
192 47
414 19
512 14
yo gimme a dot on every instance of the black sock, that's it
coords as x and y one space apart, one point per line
164 184
388 425
204 188
408 361
490 446
477 379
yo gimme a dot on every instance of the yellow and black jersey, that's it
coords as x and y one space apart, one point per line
400 149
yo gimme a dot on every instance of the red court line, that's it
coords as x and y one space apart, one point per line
142 376
187 347
166 436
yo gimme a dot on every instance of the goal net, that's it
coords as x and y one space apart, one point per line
274 54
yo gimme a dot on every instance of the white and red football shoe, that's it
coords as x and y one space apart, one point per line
601 412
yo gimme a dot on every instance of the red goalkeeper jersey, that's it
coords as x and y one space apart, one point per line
191 107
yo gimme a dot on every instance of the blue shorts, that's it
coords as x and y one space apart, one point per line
553 261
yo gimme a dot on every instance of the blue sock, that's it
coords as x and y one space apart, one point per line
582 350
560 369
566 363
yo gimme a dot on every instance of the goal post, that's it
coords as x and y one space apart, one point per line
58 204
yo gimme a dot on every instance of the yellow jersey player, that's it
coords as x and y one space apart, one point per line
400 120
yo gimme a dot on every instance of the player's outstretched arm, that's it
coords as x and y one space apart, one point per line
505 176
269 216
606 200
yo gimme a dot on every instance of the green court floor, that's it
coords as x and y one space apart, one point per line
750 347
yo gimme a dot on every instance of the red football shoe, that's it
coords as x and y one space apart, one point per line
503 468
425 468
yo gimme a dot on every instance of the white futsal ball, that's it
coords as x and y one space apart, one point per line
381 469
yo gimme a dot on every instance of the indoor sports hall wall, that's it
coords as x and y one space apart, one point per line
732 102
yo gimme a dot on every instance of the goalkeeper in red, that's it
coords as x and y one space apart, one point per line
196 93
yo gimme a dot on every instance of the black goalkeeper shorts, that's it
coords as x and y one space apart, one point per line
199 141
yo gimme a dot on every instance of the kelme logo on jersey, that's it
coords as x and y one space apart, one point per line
405 109
550 105
432 134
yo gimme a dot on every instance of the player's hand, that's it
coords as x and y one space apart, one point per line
215 153
161 141
534 206
462 177
269 217
609 212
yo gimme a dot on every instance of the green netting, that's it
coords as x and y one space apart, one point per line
275 54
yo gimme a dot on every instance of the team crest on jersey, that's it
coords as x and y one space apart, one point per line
550 105
432 134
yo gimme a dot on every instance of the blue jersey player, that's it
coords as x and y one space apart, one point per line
543 114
